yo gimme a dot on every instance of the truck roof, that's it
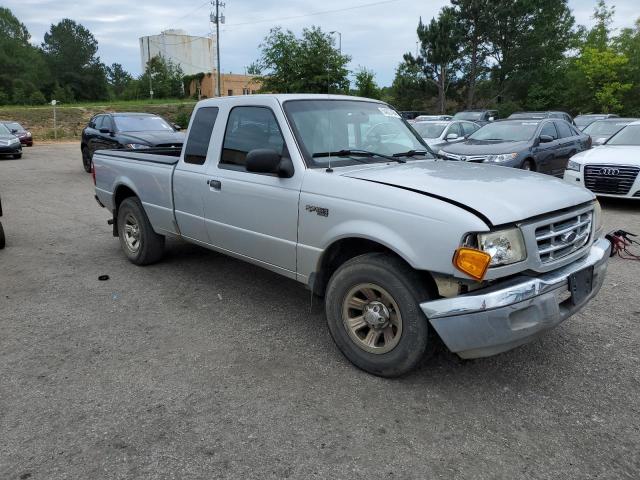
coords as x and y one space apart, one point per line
282 97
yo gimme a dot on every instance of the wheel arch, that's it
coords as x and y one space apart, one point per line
120 193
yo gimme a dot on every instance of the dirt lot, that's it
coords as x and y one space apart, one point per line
206 367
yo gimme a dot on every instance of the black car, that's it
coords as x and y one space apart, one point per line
9 143
127 130
541 145
481 117
26 139
539 115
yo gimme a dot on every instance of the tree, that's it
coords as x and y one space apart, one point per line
410 89
439 52
603 71
70 50
366 83
598 36
310 64
166 78
118 79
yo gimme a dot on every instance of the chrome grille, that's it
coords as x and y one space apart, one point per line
466 158
610 179
561 238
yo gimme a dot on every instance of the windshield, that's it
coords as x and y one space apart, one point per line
582 122
603 128
429 129
4 130
323 126
468 116
14 126
141 123
506 131
629 135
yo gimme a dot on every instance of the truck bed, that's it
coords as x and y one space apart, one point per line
148 174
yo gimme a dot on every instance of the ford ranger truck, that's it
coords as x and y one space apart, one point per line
342 195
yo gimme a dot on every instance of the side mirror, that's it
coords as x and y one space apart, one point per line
491 119
451 136
177 127
13 130
265 160
546 138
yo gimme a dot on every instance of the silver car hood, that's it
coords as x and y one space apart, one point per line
502 195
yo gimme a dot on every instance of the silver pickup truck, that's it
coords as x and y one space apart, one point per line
342 195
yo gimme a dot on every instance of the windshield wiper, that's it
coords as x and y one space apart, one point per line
411 153
356 152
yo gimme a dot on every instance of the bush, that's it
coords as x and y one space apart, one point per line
37 98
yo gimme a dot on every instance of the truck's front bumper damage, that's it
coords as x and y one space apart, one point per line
514 312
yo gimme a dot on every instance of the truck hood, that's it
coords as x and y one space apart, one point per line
153 138
485 147
501 195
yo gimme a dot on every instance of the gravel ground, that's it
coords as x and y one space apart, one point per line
205 367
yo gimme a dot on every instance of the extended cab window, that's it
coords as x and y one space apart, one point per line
200 135
249 128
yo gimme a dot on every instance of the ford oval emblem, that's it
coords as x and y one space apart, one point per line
568 237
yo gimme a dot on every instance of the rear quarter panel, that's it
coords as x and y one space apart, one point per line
148 176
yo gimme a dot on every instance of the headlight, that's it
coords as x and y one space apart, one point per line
573 165
136 146
501 158
597 217
504 246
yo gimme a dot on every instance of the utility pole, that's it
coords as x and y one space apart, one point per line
217 19
149 69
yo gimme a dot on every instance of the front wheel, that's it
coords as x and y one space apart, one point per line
373 311
528 165
139 242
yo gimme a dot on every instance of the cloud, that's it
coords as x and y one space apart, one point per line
375 36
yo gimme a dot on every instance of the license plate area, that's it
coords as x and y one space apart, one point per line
581 285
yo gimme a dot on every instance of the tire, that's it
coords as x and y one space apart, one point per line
86 160
384 351
528 165
139 242
2 238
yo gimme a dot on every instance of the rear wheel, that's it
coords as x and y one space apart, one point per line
374 316
86 160
139 242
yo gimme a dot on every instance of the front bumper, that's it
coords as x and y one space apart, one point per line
514 312
10 149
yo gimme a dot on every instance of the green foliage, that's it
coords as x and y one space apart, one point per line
310 64
603 70
166 78
366 86
118 80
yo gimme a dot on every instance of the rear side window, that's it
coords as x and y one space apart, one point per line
200 135
97 122
549 129
454 128
249 128
564 130
469 128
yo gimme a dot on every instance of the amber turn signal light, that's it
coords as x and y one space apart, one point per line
472 262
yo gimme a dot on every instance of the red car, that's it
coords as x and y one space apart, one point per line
22 133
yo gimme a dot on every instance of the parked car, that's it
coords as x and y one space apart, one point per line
9 144
134 131
412 114
400 245
19 131
481 117
583 121
435 133
602 130
541 145
539 115
610 170
2 238
427 118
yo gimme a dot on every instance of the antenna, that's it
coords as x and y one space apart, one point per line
329 169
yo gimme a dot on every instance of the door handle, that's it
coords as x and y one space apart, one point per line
215 184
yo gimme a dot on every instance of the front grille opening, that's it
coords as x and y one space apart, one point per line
564 237
610 179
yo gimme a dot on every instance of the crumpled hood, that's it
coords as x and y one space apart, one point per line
153 138
484 147
503 195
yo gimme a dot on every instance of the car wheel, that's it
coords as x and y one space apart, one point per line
139 242
528 165
374 316
17 156
2 238
86 159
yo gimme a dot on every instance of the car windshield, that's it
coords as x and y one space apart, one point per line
14 126
506 131
331 126
468 116
429 129
582 122
629 135
4 130
141 123
603 128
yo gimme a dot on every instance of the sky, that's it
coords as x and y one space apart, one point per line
376 33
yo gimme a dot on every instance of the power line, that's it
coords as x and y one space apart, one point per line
187 14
